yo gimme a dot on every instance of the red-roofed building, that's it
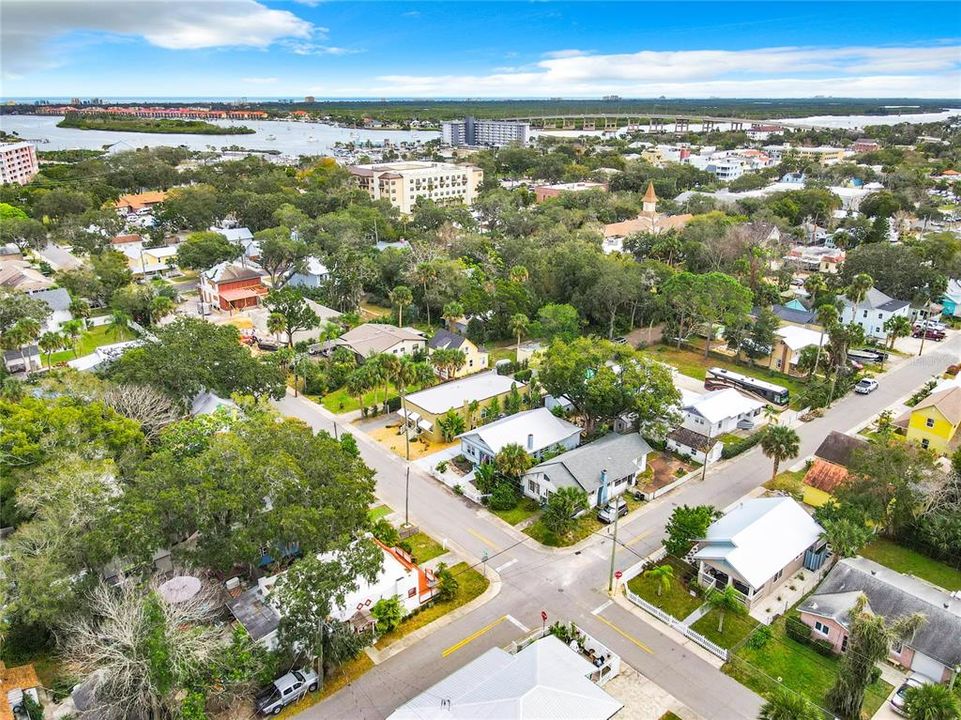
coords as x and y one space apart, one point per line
232 286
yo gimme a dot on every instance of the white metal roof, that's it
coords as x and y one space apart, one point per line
760 537
546 428
722 404
441 398
544 680
798 338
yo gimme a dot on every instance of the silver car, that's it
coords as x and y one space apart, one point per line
285 690
899 698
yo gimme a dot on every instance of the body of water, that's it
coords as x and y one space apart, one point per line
856 122
289 138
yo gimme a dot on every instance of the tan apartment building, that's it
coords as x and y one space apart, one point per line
18 163
402 183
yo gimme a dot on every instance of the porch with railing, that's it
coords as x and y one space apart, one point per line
710 582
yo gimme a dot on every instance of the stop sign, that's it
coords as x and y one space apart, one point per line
618 574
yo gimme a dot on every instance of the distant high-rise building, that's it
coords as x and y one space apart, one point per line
18 163
310 99
402 183
491 133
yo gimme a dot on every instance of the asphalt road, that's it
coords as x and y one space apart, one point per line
572 584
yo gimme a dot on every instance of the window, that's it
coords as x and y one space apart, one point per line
925 442
929 422
822 628
865 314
844 644
897 647
778 574
411 592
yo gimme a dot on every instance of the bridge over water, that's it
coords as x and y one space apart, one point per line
657 122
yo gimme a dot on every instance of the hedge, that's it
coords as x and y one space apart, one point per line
797 630
736 447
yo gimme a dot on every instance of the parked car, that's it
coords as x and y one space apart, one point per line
866 386
267 344
613 509
285 690
913 680
620 340
929 334
930 325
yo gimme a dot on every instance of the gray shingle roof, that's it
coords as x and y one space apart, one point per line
837 448
57 299
446 339
892 595
258 618
581 467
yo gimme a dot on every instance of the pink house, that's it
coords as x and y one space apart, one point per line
934 650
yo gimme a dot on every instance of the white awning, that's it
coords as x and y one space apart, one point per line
425 425
409 414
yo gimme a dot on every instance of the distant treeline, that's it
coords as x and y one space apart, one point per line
148 125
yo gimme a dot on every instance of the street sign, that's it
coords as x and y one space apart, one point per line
544 615
618 574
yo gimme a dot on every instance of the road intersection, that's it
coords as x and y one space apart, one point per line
570 584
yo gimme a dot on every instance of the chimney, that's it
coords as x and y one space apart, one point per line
604 477
530 441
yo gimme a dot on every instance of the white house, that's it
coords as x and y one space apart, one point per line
873 311
758 545
257 610
544 679
58 300
603 469
534 430
709 415
244 238
313 275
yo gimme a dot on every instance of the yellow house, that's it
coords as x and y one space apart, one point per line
475 359
935 420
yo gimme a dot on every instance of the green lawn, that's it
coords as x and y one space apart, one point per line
669 716
471 585
735 629
377 512
677 601
345 674
340 401
423 547
525 508
694 364
905 560
501 353
90 341
782 661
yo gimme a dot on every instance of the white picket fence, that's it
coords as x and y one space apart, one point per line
676 624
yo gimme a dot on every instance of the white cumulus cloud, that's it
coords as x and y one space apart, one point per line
35 33
931 71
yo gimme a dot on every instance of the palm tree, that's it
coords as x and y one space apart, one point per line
452 311
513 461
518 325
387 365
780 443
662 575
276 323
931 701
518 274
896 326
789 705
857 291
827 316
472 408
49 343
725 601
80 308
405 373
401 297
119 323
426 273
160 307
815 285
72 330
358 383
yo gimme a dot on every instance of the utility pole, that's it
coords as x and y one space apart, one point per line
707 451
407 498
617 514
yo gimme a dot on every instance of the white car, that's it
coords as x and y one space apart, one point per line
913 680
866 386
285 690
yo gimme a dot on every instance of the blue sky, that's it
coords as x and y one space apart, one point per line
262 48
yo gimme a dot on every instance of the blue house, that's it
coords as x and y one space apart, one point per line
951 301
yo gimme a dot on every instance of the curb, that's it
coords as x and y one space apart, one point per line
493 589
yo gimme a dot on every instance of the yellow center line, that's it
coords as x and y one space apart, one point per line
641 536
634 640
473 636
483 539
